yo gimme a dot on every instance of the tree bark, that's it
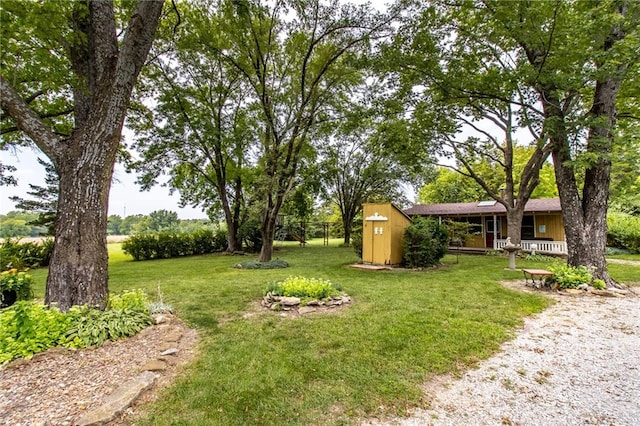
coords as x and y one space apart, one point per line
78 267
268 235
104 79
514 223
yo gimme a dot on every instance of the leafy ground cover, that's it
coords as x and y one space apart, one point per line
368 359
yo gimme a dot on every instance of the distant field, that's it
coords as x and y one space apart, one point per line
110 239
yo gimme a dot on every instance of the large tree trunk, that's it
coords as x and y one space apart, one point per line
514 223
78 267
104 72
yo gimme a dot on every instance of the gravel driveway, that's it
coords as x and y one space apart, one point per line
576 363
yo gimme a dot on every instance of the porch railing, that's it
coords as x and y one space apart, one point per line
536 245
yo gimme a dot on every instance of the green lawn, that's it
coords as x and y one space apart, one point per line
368 359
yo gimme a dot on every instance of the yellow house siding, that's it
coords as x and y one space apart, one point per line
552 226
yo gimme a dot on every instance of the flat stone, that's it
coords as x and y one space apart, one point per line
303 310
173 336
161 319
166 345
118 401
170 351
169 359
289 301
155 365
573 291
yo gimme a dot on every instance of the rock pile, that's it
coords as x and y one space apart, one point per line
294 304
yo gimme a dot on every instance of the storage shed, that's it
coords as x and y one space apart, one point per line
383 233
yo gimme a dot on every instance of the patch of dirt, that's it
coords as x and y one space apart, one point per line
56 387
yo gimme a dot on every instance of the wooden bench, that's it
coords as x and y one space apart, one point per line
533 273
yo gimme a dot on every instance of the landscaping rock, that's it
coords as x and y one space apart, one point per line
306 310
118 401
161 318
289 301
170 351
155 365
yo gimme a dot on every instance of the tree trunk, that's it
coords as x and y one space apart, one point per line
78 267
268 235
514 223
104 73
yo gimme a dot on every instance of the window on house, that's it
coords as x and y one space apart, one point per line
528 228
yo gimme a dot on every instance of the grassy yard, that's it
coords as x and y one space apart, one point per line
368 359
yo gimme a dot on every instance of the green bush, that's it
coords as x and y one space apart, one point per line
165 245
129 299
566 276
425 243
356 240
17 255
272 264
623 231
13 281
251 234
27 328
311 288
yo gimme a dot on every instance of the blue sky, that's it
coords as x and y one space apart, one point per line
125 197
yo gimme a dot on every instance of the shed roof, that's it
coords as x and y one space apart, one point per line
538 205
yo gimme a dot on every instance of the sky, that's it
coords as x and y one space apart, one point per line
125 198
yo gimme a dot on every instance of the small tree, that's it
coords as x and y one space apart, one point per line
425 243
44 199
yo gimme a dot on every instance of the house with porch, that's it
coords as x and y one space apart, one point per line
542 225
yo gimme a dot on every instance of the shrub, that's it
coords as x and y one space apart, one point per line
623 231
566 276
311 288
356 241
425 243
164 245
17 283
27 328
272 264
251 234
135 300
17 255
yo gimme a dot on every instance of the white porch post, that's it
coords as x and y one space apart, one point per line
495 233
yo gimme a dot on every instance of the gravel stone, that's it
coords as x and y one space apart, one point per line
576 363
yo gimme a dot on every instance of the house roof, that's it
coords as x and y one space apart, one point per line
538 205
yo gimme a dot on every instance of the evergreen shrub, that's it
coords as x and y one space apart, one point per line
425 243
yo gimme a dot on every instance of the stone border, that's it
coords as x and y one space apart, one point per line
293 304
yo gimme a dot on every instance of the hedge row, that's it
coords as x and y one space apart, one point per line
165 245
